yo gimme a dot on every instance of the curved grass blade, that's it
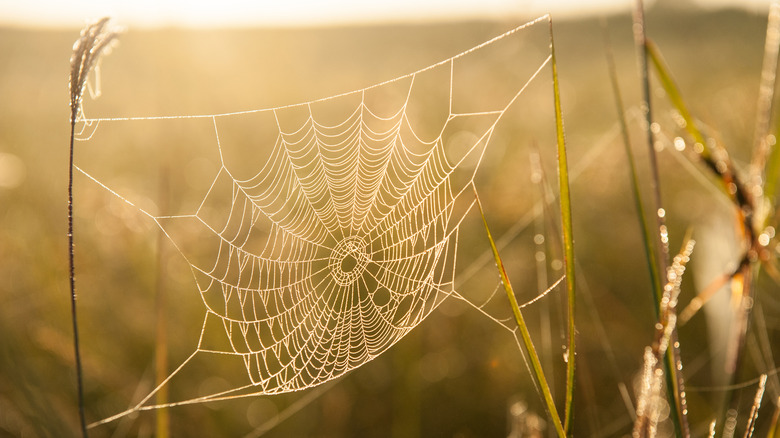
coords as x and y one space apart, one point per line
536 364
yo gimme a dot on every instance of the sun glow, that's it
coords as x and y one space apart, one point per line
231 13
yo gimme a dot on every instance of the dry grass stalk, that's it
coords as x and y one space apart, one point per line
93 42
651 397
756 406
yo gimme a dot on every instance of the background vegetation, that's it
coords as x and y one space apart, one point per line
457 374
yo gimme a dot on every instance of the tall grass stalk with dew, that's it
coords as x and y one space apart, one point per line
95 40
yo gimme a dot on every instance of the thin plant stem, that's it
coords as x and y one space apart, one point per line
162 417
568 240
641 41
72 267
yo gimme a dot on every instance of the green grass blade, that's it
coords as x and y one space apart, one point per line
721 164
647 236
568 238
654 54
525 334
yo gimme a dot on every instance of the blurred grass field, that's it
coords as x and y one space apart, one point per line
457 374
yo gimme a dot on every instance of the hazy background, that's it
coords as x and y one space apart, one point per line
458 373
150 13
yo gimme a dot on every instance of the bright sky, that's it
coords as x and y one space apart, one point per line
152 13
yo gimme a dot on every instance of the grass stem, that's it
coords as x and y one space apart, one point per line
72 276
162 415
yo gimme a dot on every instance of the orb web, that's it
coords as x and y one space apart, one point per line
342 235
338 247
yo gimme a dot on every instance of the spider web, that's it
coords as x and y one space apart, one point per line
327 238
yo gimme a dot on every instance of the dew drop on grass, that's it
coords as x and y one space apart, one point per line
664 234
